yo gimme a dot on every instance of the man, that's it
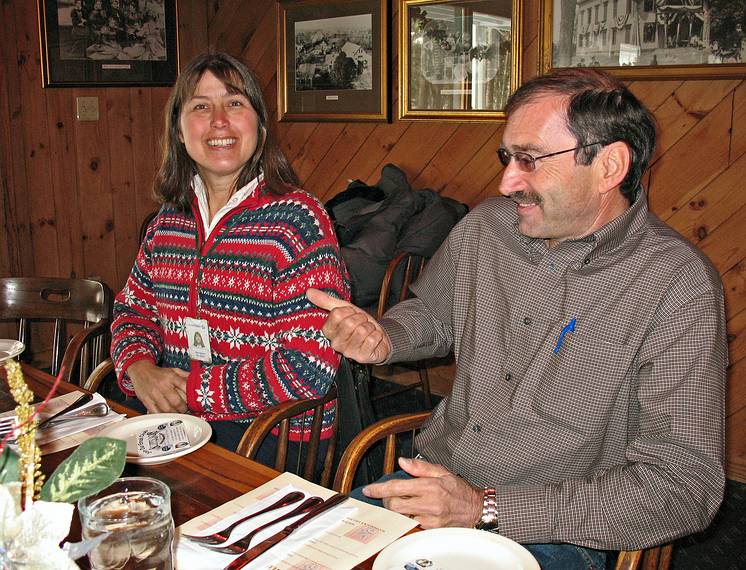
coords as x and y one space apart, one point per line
587 406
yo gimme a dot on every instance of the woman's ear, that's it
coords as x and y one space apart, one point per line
613 164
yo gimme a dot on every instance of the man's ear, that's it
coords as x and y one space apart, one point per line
613 163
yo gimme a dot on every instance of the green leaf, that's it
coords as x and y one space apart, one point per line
93 466
8 466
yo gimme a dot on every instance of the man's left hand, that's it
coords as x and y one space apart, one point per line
434 498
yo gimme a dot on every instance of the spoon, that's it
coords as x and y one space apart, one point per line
95 411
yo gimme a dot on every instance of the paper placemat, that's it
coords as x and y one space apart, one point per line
337 540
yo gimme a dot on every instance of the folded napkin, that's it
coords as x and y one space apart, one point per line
64 430
192 556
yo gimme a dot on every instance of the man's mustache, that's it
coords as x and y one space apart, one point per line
521 197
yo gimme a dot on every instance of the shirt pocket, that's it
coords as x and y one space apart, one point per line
582 385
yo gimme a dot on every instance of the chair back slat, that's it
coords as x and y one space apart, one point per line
59 301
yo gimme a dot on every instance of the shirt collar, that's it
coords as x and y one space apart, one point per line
607 238
200 191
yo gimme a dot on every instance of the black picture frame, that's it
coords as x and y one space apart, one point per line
108 43
310 35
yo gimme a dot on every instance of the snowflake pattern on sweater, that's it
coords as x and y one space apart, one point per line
248 281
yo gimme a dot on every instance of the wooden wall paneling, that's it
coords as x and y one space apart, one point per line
467 140
737 352
146 129
726 245
124 222
193 17
476 174
676 177
365 162
738 133
16 258
35 137
61 120
94 192
313 152
653 93
258 40
686 106
714 204
294 137
417 146
222 23
734 287
333 163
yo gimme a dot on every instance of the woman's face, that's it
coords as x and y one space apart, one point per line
219 131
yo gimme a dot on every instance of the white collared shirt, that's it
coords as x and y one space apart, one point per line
200 190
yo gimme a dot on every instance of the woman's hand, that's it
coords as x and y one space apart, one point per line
161 390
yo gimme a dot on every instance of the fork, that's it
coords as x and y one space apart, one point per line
9 425
241 546
223 535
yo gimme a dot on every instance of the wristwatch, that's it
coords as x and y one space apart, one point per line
488 521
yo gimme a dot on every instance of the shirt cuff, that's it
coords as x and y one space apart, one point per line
398 338
523 513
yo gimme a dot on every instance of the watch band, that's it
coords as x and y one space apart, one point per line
488 520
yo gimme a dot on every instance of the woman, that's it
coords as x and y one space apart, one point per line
227 259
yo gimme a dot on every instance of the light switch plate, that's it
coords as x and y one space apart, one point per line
86 108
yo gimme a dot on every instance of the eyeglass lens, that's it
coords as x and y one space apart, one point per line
525 162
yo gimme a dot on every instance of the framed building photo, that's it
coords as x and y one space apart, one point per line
332 60
458 59
653 39
108 43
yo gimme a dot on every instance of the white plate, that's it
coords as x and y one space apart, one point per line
198 432
455 549
10 348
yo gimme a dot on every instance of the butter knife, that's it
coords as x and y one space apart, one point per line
255 551
82 401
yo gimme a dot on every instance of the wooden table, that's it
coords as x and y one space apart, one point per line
199 481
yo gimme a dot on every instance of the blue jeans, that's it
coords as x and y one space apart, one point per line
549 556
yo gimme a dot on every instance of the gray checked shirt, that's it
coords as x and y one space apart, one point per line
590 377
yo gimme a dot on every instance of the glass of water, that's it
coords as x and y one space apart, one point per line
136 512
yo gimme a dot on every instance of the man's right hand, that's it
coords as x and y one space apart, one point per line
352 331
161 390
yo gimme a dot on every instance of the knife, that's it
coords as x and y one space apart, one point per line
82 401
262 547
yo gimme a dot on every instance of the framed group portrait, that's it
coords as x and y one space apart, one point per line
459 59
108 43
646 39
332 60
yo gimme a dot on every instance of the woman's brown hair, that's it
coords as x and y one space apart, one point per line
173 182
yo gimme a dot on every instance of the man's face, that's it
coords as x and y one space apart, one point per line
558 200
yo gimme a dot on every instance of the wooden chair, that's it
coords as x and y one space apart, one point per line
654 558
61 301
386 429
104 368
403 269
280 416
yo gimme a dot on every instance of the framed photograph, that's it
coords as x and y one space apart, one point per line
647 39
458 59
108 43
331 61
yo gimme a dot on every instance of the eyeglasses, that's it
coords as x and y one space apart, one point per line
526 162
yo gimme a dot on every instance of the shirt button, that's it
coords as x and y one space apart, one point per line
526 320
508 376
551 267
476 428
587 260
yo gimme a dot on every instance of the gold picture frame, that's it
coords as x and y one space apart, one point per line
459 60
646 39
332 60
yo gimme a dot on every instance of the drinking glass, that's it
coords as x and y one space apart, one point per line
136 511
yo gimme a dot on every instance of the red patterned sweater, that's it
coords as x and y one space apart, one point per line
248 281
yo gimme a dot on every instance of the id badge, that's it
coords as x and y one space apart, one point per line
198 338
